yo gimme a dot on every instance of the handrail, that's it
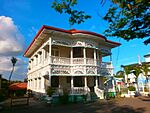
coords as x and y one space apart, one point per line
99 92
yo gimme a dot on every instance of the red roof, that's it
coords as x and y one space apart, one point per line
72 31
18 86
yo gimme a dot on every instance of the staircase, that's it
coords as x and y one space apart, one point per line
99 92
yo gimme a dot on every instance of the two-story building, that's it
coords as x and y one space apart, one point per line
70 59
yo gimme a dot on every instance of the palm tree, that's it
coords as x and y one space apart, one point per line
127 70
137 70
13 60
120 74
146 69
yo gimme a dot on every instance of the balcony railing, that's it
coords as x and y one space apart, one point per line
71 62
60 60
63 60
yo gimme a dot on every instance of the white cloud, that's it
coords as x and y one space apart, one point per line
11 44
11 40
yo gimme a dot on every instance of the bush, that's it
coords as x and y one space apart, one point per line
146 89
50 91
64 99
3 94
131 88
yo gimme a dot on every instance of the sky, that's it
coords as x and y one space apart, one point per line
20 20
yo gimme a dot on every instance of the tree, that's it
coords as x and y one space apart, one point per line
66 6
13 60
119 74
137 70
128 19
127 70
145 68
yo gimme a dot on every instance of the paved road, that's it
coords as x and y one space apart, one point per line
123 105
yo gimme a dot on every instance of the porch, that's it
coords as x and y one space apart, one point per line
78 86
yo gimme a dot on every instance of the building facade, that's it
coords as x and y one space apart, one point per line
70 59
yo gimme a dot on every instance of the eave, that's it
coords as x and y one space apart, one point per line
73 32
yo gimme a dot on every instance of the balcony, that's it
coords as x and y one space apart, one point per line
73 61
74 66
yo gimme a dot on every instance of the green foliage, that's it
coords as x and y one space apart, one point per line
65 6
13 61
127 70
64 99
129 19
119 74
50 91
145 68
19 93
131 88
146 89
3 94
137 70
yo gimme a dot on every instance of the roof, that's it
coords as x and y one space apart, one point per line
135 64
72 31
147 55
18 86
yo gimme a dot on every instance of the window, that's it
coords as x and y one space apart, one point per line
77 52
55 81
55 52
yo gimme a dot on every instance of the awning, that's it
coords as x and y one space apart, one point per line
18 86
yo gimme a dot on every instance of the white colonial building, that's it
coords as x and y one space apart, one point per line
69 59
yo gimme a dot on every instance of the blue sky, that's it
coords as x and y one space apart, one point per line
27 16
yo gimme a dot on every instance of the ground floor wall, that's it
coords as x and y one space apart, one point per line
40 84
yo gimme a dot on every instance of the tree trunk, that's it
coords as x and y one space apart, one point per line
11 75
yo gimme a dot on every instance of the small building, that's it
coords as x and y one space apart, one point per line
147 58
68 59
143 80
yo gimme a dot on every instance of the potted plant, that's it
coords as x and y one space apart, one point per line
50 91
131 91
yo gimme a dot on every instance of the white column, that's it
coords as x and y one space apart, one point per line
71 55
50 49
85 81
71 59
50 77
31 84
43 55
96 81
72 84
40 84
28 84
84 55
95 56
39 58
37 84
113 83
43 84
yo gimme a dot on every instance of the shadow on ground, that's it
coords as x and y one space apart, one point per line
100 106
